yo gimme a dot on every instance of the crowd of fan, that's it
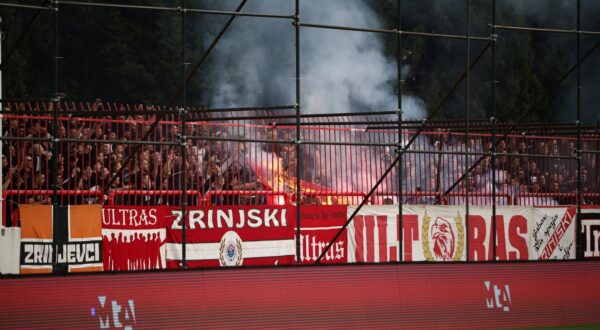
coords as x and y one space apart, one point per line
105 167
539 170
218 165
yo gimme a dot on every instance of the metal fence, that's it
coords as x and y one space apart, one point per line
247 157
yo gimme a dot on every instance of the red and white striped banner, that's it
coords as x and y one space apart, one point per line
232 236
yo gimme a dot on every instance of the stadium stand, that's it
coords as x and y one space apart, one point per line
229 160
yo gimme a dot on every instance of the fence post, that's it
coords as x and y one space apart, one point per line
399 110
468 156
298 139
493 121
183 140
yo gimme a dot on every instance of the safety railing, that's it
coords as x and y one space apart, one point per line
332 197
477 198
409 197
154 197
538 199
97 149
12 199
246 197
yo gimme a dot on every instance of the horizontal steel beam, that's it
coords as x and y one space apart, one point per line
21 6
551 30
394 31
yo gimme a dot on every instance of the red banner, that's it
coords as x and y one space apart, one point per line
233 236
318 227
133 237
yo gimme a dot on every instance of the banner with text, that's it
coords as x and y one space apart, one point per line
319 225
133 237
590 232
373 234
552 233
61 239
438 233
232 236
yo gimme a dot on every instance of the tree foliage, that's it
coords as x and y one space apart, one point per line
135 56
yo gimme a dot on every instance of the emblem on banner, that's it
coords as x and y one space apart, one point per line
230 250
447 242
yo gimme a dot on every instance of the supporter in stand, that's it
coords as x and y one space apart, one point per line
216 198
60 181
99 176
556 192
197 154
535 187
544 186
85 181
213 170
238 177
7 179
39 183
145 199
515 165
532 172
26 173
513 188
415 198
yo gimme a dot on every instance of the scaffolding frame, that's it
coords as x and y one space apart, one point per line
399 126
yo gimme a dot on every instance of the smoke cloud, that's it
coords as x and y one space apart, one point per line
341 71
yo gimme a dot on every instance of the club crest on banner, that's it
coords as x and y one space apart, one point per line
443 239
230 250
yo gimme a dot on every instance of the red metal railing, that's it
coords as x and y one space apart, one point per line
246 197
556 198
478 198
98 146
12 199
154 197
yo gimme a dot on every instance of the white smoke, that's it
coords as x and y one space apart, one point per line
341 71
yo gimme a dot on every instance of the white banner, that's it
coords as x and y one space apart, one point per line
440 233
373 234
10 248
552 233
434 233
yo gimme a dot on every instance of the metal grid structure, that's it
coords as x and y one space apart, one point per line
401 138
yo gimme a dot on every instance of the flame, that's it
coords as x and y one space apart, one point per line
277 179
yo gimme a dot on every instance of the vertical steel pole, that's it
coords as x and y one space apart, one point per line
56 102
183 141
578 154
399 111
56 268
467 85
493 120
298 153
1 132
